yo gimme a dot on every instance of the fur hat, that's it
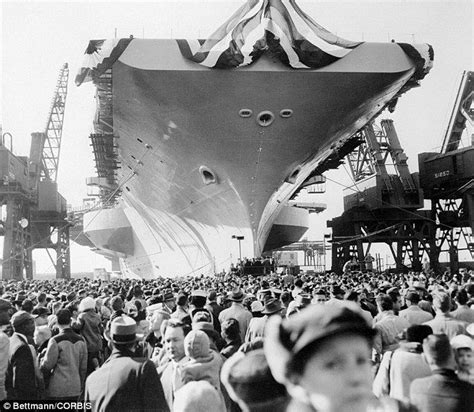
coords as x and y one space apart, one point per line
197 345
86 304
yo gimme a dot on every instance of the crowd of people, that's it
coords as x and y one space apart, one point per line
232 342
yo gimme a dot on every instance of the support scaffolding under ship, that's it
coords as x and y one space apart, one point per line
198 143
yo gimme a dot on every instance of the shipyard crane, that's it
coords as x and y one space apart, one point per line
35 213
447 179
46 146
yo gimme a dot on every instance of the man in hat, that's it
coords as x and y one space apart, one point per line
20 379
413 313
256 327
169 302
123 382
4 345
237 311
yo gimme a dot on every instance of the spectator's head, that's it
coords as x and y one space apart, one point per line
441 302
122 333
197 346
174 334
412 298
249 382
169 300
87 304
5 309
384 302
197 396
40 314
418 333
182 299
23 322
212 296
27 305
230 330
463 347
41 298
236 295
285 298
438 352
64 317
319 296
337 292
116 303
461 297
322 355
256 307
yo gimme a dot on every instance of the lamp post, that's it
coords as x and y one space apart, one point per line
239 238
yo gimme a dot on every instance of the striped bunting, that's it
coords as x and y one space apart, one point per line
277 26
99 56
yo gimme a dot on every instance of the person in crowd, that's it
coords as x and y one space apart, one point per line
256 309
389 326
256 328
204 363
319 296
182 307
123 382
118 306
65 362
170 372
169 302
402 366
322 356
336 295
443 390
5 308
214 308
285 300
443 322
198 396
89 325
413 314
249 382
463 312
354 296
298 288
463 347
21 378
231 334
237 311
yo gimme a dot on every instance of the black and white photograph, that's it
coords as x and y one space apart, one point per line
237 206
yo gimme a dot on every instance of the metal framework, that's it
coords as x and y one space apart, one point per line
17 250
34 208
54 127
381 206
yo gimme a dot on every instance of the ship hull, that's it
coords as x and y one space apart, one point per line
207 154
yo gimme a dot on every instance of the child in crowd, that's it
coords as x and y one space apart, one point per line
463 347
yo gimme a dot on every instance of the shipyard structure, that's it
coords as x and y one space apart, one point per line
200 144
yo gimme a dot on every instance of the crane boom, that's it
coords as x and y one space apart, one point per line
54 128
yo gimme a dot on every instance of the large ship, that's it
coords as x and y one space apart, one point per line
202 146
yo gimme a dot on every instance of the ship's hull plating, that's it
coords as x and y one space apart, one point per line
199 166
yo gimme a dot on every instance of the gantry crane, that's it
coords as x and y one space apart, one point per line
447 179
35 213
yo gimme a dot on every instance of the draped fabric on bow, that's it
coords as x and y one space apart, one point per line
277 26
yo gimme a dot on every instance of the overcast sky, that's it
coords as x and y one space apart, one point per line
39 36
